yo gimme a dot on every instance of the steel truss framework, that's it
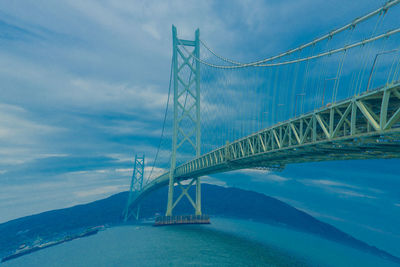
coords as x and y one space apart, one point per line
363 127
186 128
135 188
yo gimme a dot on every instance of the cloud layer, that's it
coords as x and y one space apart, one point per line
84 86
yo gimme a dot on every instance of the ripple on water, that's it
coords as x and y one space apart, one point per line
225 242
193 245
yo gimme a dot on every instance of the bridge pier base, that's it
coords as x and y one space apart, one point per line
182 219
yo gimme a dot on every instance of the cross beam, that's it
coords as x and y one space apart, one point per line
186 85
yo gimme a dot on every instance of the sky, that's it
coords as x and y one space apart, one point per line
84 86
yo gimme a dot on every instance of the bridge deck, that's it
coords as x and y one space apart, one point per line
362 127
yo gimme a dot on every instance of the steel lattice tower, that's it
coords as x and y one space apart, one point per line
136 187
185 84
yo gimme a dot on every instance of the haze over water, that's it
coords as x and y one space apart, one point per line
225 242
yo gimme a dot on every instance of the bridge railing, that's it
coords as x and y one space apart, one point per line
365 126
372 114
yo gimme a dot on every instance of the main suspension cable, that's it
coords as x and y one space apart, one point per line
355 22
164 122
218 56
328 53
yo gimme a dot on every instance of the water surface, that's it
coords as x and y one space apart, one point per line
225 242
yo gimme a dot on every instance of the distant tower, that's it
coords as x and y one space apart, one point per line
136 187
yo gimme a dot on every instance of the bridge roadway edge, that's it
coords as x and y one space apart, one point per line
375 144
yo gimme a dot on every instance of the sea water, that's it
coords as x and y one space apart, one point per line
225 242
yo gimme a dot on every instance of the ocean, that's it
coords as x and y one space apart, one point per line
225 242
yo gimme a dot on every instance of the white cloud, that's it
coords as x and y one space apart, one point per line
21 138
99 191
353 194
211 180
340 188
325 182
17 129
322 215
124 170
275 178
152 30
155 172
261 175
101 94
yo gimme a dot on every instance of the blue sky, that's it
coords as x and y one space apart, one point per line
84 86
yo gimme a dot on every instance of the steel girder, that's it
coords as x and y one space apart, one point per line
366 126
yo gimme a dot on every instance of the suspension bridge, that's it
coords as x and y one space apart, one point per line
334 98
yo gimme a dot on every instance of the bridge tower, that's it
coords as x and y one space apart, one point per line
135 188
186 82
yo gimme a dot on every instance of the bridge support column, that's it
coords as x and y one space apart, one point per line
135 188
198 196
186 124
170 202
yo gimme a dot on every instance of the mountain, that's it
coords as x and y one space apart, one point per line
216 200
